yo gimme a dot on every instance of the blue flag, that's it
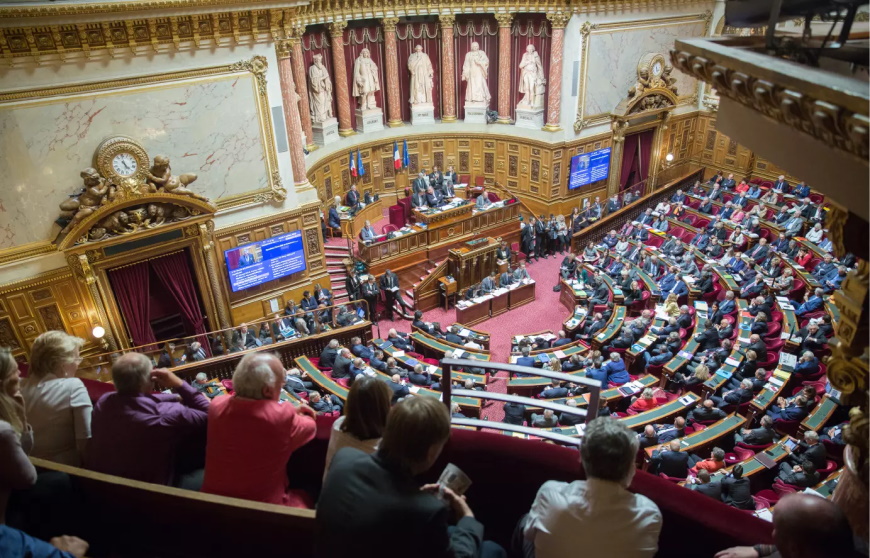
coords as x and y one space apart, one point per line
406 161
361 168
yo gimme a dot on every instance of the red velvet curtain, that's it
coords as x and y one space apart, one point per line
366 34
428 35
528 29
173 270
629 162
316 41
482 29
644 154
130 285
636 155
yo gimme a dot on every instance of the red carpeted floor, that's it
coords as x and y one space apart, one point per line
545 313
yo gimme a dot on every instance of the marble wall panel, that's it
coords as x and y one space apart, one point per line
208 126
613 58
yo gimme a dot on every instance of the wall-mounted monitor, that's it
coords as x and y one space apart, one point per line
253 264
588 168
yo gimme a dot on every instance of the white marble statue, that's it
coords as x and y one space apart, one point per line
365 80
475 73
531 80
421 77
319 91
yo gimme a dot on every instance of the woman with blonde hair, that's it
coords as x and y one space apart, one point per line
671 306
365 416
57 403
16 436
701 375
645 402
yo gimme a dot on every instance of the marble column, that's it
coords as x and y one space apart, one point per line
504 67
448 69
391 53
339 70
302 86
290 100
558 21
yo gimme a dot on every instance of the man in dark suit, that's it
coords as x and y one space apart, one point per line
706 206
503 253
246 336
561 338
488 284
433 198
803 475
451 176
400 390
672 432
756 343
418 199
612 205
389 284
811 450
352 198
436 178
707 412
507 278
672 462
736 491
371 292
352 286
329 354
781 185
420 184
729 182
341 367
526 360
702 484
514 413
428 327
554 391
566 419
386 494
399 341
453 335
739 396
760 436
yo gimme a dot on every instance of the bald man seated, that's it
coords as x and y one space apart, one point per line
804 526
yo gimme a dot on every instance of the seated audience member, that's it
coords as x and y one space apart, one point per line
702 483
803 475
341 367
645 402
385 494
807 365
295 381
324 404
810 449
736 490
194 352
398 387
202 384
707 412
554 391
796 410
360 349
667 433
804 526
361 427
514 413
713 463
57 403
136 434
328 354
671 461
616 371
251 436
545 420
398 341
739 396
16 436
456 410
761 436
648 437
597 515
566 419
15 544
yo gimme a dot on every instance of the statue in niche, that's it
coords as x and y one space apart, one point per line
75 210
532 80
160 178
475 70
319 91
421 77
365 80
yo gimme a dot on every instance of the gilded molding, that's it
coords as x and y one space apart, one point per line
243 226
141 35
504 20
45 278
26 251
447 20
389 23
585 31
283 48
831 115
122 6
558 20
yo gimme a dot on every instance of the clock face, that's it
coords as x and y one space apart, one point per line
657 68
124 164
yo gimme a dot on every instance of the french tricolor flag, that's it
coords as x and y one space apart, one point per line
397 159
352 165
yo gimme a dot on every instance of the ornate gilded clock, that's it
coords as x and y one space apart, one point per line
122 160
654 64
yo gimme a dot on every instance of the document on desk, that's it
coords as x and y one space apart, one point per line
464 333
687 400
559 354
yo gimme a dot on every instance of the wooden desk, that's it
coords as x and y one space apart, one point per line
753 466
351 226
472 261
767 396
710 435
443 216
571 294
659 415
821 414
479 337
827 486
616 321
448 291
325 383
435 348
473 314
517 296
575 320
499 304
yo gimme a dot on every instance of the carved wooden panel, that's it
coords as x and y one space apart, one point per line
276 229
463 161
312 241
327 185
389 169
40 294
536 170
345 180
513 161
413 164
557 172
711 140
488 163
732 147
438 157
51 318
367 178
7 335
513 148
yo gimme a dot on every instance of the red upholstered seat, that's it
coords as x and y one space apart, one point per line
406 203
343 382
702 223
655 240
639 306
228 385
675 480
493 197
479 180
387 229
464 179
835 451
743 453
775 345
769 495
816 198
770 361
789 427
755 180
797 290
397 215
760 502
782 488
97 389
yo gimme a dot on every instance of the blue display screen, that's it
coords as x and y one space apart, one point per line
255 263
587 168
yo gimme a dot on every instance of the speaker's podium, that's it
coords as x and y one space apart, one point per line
472 261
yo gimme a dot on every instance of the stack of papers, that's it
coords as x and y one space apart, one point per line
687 400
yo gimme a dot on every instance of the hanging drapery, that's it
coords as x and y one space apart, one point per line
173 270
367 34
316 41
528 29
629 169
130 285
409 35
483 30
644 155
